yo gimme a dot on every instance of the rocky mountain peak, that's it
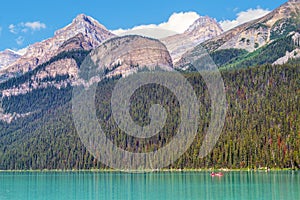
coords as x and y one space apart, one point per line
88 34
204 28
203 22
84 19
83 24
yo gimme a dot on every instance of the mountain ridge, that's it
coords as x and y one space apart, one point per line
202 29
282 12
41 52
256 37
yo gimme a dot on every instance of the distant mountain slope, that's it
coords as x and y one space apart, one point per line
266 39
254 34
7 57
201 30
270 53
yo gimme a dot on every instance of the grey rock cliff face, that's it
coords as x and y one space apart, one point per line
131 53
201 30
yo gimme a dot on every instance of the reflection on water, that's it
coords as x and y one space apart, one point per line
164 186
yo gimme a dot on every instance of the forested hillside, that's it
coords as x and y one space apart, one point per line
262 126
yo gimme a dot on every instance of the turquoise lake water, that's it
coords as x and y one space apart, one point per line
154 186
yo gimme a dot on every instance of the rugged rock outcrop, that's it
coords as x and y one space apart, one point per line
201 30
295 54
125 55
254 34
82 27
78 42
57 74
289 55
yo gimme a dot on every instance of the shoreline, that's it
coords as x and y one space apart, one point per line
154 171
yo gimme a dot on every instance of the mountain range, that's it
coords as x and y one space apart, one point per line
36 127
245 39
253 39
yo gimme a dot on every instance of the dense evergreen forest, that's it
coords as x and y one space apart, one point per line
262 126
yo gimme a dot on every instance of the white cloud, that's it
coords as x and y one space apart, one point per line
35 26
235 9
243 17
24 27
148 31
177 23
24 30
0 30
12 28
20 40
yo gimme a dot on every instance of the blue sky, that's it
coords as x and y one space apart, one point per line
25 22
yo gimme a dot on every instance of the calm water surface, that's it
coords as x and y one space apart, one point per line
156 186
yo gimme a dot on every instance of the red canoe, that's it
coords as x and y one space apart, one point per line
219 174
